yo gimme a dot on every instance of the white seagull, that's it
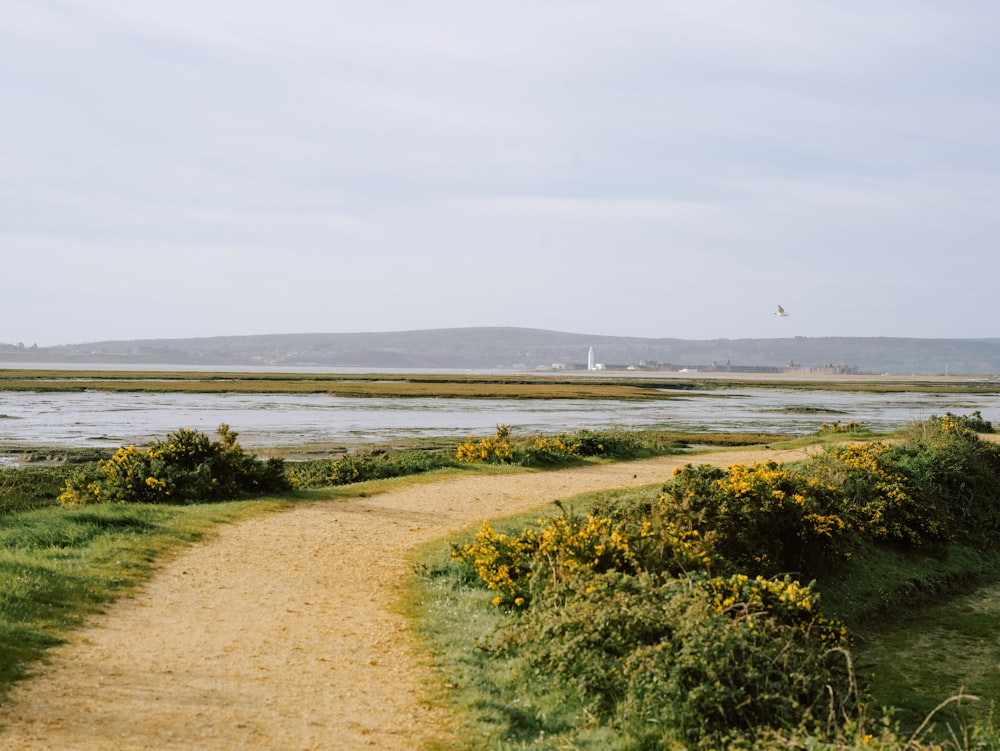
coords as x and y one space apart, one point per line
781 312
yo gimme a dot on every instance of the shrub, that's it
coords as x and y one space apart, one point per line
974 422
553 551
542 451
495 450
308 473
32 487
186 466
613 444
536 450
671 660
760 519
380 465
878 501
953 472
678 619
840 427
502 561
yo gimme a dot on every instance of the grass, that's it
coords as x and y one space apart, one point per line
917 666
917 629
32 487
451 613
58 566
514 386
948 647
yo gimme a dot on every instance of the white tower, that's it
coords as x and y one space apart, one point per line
590 359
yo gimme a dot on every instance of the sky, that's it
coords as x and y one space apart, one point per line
649 168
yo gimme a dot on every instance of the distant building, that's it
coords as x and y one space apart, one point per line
590 359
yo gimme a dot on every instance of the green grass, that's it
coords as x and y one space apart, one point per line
947 648
454 617
32 487
58 566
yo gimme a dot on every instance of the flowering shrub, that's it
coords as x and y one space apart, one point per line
186 466
495 450
537 450
571 543
680 620
762 518
614 443
974 423
784 599
837 426
379 465
540 450
557 549
662 661
877 500
503 562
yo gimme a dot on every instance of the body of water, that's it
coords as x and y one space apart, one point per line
109 419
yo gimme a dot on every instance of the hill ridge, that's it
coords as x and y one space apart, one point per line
499 347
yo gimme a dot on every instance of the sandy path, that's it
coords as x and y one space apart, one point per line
281 633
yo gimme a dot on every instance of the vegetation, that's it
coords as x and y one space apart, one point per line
564 448
513 386
32 487
380 464
185 467
688 615
59 565
184 459
685 615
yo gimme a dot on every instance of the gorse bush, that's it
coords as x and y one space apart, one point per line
557 549
540 451
940 483
380 465
613 444
840 427
685 660
878 500
32 487
974 422
495 450
761 519
681 618
184 467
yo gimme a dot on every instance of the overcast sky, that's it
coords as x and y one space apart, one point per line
640 168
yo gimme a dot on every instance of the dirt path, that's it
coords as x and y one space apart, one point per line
281 633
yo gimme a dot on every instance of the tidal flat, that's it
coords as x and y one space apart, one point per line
107 409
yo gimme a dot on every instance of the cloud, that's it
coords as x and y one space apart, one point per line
613 166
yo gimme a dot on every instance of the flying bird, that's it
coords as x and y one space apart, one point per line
781 312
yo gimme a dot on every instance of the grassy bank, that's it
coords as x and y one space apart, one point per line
58 566
682 615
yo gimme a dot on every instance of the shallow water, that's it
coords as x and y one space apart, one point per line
108 419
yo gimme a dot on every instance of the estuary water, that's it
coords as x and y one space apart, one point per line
108 419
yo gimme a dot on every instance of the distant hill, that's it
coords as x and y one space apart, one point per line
522 348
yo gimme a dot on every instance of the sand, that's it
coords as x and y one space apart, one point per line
284 631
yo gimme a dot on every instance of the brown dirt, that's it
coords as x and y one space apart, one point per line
283 632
